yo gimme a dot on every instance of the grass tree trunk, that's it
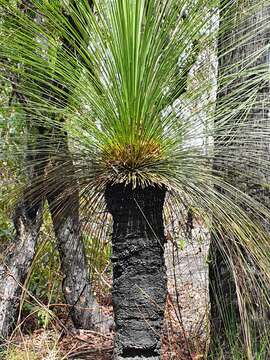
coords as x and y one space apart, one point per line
244 35
139 272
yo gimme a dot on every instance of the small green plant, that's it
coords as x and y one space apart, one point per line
44 318
45 279
98 254
181 244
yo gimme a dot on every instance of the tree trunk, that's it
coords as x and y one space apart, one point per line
64 206
76 284
63 200
139 272
224 311
242 42
18 256
16 263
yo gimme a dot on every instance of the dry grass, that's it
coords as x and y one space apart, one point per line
41 345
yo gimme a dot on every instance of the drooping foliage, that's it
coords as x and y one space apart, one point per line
115 95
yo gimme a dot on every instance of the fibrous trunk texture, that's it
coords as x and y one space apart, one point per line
139 272
16 262
242 47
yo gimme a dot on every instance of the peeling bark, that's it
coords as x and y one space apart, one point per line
16 263
139 272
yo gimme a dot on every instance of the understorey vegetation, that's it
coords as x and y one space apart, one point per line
134 179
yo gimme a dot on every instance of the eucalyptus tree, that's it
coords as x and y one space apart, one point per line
131 155
19 255
243 97
62 194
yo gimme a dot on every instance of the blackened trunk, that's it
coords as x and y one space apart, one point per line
16 263
139 272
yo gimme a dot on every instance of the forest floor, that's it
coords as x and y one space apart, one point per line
185 328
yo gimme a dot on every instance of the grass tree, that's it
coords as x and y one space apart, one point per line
132 155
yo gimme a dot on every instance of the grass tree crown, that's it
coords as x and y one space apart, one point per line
107 73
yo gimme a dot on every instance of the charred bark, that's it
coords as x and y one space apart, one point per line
16 262
139 272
